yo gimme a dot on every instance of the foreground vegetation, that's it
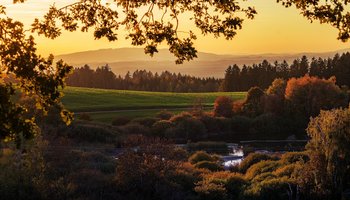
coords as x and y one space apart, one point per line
136 158
70 163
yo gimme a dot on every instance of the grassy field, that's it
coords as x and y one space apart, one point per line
89 99
104 105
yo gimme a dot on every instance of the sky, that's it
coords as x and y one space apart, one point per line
274 30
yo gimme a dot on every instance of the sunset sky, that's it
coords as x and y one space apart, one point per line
274 30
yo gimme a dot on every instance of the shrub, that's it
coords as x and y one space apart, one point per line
223 106
267 126
210 122
253 105
288 170
164 115
215 124
160 127
240 126
200 156
180 117
251 159
89 133
261 167
147 121
263 177
277 87
211 191
120 121
212 166
274 104
186 127
237 107
292 157
133 128
235 184
272 189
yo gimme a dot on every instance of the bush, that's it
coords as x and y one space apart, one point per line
210 122
261 167
293 157
272 189
200 156
164 115
237 107
120 121
133 128
186 127
277 87
263 177
147 121
235 185
288 170
160 127
212 166
223 107
89 133
252 159
253 105
215 124
267 126
180 117
240 126
211 191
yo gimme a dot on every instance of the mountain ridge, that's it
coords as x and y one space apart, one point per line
122 60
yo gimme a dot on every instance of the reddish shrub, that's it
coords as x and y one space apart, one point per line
223 106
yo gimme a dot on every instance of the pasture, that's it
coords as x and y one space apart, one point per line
103 104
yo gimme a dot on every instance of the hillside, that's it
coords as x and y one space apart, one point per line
207 64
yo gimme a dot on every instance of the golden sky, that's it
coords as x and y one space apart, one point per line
274 30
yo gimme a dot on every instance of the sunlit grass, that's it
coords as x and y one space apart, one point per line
90 99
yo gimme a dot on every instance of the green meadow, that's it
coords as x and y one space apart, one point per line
103 104
90 99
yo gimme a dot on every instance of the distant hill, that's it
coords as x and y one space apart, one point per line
122 60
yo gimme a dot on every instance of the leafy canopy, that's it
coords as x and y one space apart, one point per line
33 76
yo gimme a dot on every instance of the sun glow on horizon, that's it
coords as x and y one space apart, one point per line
274 30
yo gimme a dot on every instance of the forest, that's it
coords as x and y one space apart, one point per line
235 78
262 74
141 80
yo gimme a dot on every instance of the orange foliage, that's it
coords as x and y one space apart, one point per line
308 95
237 106
223 106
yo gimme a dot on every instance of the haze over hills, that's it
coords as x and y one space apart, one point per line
122 60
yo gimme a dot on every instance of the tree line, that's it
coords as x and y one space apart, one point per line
142 80
262 74
236 78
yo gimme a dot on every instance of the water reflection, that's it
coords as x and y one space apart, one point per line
233 159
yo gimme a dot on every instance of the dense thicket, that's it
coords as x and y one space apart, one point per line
143 80
262 74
